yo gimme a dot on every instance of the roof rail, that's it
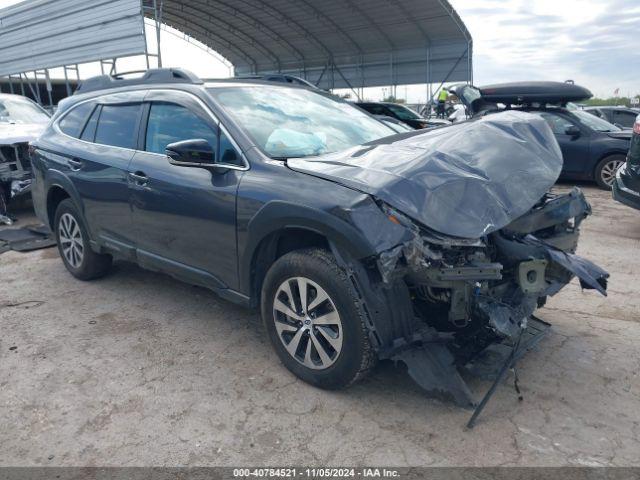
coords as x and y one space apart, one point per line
153 76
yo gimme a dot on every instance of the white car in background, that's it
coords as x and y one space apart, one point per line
21 121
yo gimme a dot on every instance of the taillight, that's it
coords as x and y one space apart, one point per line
636 127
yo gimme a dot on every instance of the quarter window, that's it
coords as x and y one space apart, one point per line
228 153
169 123
117 125
626 119
72 123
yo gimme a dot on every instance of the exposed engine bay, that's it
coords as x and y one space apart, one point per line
473 302
15 176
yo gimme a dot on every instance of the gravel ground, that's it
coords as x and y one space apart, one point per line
138 369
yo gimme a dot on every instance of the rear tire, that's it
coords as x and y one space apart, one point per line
605 173
322 339
74 247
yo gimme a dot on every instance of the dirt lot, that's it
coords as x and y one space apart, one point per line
139 369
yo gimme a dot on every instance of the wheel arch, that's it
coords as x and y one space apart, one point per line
59 187
282 227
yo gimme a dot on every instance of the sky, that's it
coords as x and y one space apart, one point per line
593 42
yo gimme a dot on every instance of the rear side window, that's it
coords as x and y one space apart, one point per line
626 119
169 123
72 123
117 125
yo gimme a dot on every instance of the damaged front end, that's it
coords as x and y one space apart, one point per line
483 294
469 243
450 307
15 176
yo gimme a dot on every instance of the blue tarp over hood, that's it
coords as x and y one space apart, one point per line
466 180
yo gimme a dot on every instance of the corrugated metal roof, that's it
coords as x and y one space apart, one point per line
334 43
341 42
52 33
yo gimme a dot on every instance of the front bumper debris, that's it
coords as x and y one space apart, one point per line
473 302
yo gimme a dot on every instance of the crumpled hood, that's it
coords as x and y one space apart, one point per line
466 180
11 133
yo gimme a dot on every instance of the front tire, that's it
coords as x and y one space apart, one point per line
605 173
314 320
74 247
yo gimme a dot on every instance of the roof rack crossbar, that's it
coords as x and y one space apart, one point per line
153 76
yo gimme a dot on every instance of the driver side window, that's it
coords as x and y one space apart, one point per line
557 123
170 123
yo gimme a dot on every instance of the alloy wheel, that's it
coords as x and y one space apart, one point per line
307 323
608 172
71 242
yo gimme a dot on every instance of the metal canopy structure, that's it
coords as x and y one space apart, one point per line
38 35
332 43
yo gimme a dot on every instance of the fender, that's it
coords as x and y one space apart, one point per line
279 215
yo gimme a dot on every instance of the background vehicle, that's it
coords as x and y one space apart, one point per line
21 121
593 149
345 236
626 188
620 116
400 112
394 123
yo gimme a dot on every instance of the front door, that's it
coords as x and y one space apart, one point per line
184 217
575 147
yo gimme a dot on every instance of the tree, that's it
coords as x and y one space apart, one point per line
392 99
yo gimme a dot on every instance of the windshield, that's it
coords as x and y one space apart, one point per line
18 110
402 112
295 122
594 122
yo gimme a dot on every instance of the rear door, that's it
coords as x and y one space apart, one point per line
185 217
98 161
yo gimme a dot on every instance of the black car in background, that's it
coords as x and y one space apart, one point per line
400 112
592 148
622 117
626 188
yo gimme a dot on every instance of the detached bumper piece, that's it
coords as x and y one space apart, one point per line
433 367
26 239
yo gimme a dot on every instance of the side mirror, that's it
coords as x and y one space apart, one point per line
572 131
191 153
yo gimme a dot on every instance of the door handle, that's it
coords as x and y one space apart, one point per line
74 164
139 178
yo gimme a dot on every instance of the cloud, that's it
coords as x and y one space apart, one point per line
589 41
